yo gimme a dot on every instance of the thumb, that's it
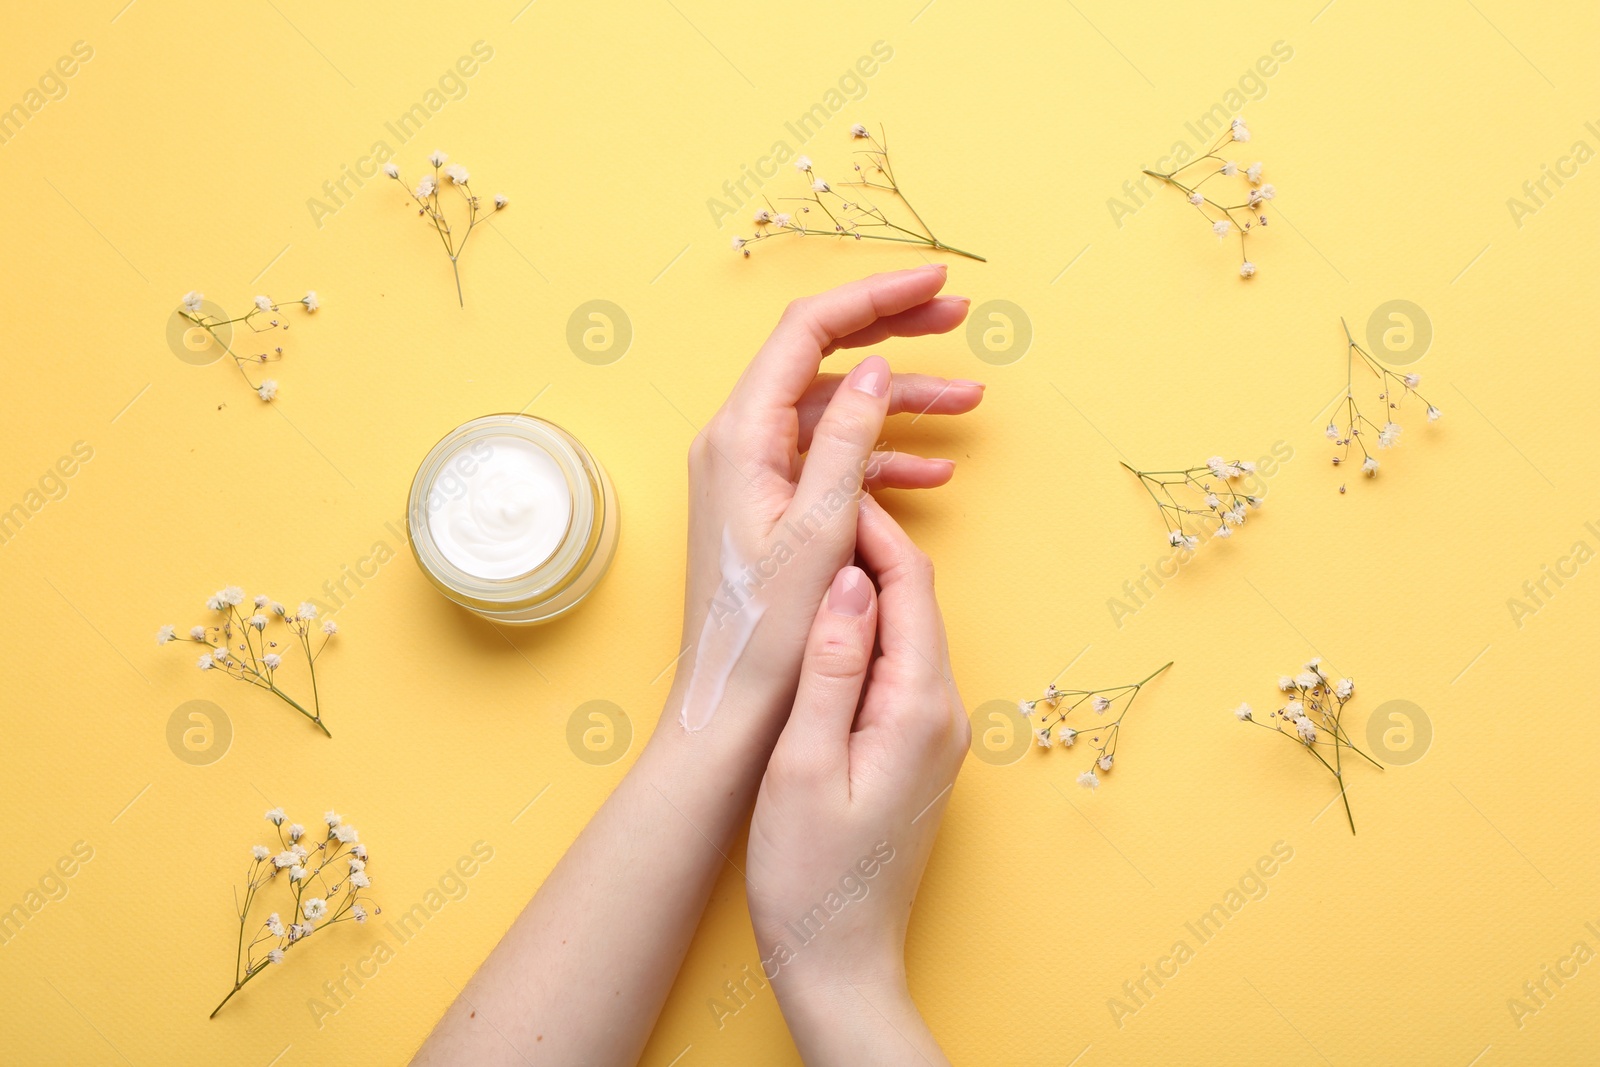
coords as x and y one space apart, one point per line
817 737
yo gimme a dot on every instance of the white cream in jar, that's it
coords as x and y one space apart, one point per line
512 517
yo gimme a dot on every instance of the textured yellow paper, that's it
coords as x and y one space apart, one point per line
183 153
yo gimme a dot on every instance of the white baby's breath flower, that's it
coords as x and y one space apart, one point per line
1196 199
192 300
296 831
1104 762
1254 173
310 300
1066 735
1307 731
426 187
819 186
259 600
359 851
276 816
1308 679
738 243
437 158
275 924
802 163
358 913
1344 688
165 634
268 389
781 219
1286 683
1247 269
263 303
232 595
1100 704
1242 712
258 621
197 633
359 879
1088 780
1268 191
330 627
1026 707
1175 538
357 863
501 200
1240 131
391 170
284 859
206 663
1221 227
297 873
1213 501
457 173
1294 709
1389 436
1370 467
315 908
260 852
219 654
762 217
332 818
1433 413
1332 432
306 610
1230 168
1042 738
346 833
272 660
859 131
1224 530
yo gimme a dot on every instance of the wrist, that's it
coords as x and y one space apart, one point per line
853 1021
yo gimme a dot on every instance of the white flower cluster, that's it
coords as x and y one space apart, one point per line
853 217
1350 427
1203 499
240 647
194 310
322 884
430 207
1224 218
1312 716
1050 728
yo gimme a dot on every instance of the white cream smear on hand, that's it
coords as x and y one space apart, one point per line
723 638
507 515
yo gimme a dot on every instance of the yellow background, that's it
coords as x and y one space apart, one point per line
183 156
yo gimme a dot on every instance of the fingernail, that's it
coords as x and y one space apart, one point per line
942 268
871 376
968 382
850 593
955 299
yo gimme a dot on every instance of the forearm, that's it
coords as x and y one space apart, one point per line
581 975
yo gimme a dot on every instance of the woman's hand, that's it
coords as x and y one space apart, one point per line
850 804
768 530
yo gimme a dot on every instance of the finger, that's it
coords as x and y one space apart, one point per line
810 326
920 394
816 738
841 448
900 470
939 315
912 625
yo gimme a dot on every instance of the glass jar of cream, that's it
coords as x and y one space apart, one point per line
511 517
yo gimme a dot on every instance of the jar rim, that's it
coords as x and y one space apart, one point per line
565 564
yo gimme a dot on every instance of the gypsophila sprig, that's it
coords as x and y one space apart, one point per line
1048 714
830 211
315 885
429 197
241 647
1200 501
1313 719
1216 204
1349 426
265 316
